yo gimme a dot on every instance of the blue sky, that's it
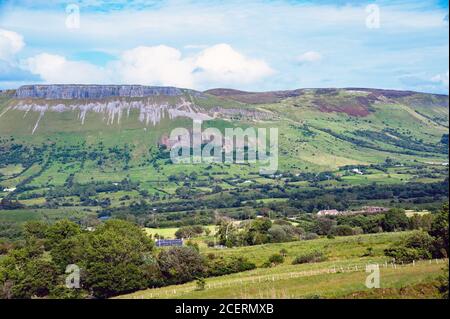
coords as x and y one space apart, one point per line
250 45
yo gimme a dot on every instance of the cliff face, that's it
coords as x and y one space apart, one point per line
69 92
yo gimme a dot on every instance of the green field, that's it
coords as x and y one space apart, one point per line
170 232
342 275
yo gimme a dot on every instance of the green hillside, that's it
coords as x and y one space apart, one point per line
111 158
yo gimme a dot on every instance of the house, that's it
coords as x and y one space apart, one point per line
373 209
357 171
328 212
9 190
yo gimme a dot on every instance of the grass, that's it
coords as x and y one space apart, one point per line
296 285
170 231
337 249
42 214
342 275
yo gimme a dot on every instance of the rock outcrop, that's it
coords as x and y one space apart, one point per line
92 92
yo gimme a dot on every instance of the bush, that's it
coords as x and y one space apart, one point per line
443 284
189 231
358 231
403 254
220 266
310 236
439 230
201 283
181 264
342 230
418 245
276 259
369 252
395 220
310 257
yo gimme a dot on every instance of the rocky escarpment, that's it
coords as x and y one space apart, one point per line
147 104
70 92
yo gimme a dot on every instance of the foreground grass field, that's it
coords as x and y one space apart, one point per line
342 275
285 283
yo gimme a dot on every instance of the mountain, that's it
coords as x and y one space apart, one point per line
95 150
319 129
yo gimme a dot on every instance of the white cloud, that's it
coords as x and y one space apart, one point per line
156 65
310 56
442 79
222 64
57 69
10 44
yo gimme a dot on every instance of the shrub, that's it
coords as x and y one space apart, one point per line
276 259
394 220
418 245
201 283
220 266
443 284
310 236
310 257
180 264
342 230
193 245
189 231
369 252
403 254
358 231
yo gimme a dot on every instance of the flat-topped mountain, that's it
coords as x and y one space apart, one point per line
36 108
72 91
322 128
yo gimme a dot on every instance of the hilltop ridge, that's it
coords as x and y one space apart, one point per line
77 91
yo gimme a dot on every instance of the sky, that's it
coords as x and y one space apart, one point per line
253 45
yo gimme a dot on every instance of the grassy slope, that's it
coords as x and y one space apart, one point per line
311 149
342 275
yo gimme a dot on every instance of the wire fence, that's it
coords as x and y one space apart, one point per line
168 292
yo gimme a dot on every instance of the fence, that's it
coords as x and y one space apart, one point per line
168 292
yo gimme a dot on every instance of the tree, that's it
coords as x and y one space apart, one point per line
227 233
323 226
113 258
421 222
342 230
189 231
62 229
417 245
35 229
24 273
181 264
394 220
277 234
439 230
257 231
